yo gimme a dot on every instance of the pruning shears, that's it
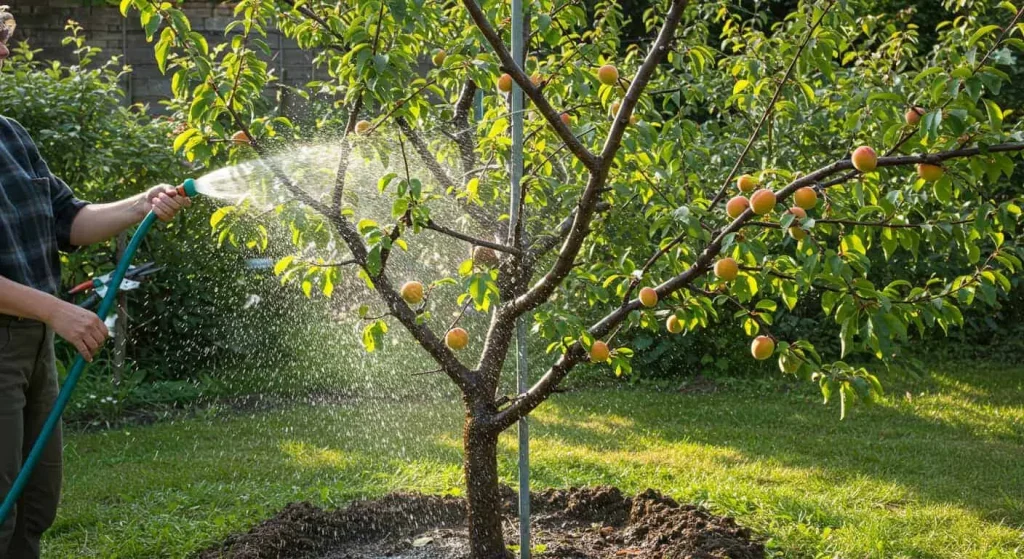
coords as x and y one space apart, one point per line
99 285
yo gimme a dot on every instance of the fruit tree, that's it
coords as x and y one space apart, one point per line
660 173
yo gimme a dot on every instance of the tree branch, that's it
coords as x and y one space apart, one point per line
401 102
768 110
543 106
576 352
346 150
330 264
440 175
906 136
309 13
433 226
434 346
659 49
1006 30
580 227
457 372
884 224
547 243
460 122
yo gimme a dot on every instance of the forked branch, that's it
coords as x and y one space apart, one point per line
499 334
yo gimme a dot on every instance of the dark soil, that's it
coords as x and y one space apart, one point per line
592 523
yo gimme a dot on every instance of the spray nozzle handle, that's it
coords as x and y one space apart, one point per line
187 188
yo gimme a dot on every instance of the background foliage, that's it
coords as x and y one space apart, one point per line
190 324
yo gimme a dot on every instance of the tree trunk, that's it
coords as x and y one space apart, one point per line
482 495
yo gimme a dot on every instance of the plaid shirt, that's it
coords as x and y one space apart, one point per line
36 211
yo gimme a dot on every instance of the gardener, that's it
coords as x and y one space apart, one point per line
39 216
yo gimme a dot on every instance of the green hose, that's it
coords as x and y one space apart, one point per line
188 188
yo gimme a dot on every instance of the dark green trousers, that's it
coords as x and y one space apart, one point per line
28 388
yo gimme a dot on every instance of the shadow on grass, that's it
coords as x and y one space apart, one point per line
948 451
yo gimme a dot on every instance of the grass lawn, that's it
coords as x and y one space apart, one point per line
937 475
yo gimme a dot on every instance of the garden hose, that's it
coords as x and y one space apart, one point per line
188 188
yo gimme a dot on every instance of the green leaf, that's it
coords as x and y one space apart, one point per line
981 33
943 189
180 140
373 260
928 72
751 327
366 225
789 294
283 264
219 215
373 334
400 206
853 243
399 10
931 124
846 333
162 48
995 115
152 24
384 181
826 389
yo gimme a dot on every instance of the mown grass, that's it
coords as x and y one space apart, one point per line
938 474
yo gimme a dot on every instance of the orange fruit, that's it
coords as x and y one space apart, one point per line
929 172
746 183
727 269
673 325
762 347
599 352
608 74
805 198
456 339
505 83
412 292
736 206
864 159
763 201
648 297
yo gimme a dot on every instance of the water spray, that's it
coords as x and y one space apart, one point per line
187 188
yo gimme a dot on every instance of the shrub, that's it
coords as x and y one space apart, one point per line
192 317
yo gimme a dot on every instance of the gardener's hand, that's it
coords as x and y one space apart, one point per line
82 328
165 202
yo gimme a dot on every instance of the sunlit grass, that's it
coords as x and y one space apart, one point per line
940 474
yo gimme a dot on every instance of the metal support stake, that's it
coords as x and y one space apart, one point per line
522 378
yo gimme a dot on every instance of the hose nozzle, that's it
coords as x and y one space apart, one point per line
187 188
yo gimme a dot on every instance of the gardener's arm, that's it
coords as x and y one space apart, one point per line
78 223
98 222
80 327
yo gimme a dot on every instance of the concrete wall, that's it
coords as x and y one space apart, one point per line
42 22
